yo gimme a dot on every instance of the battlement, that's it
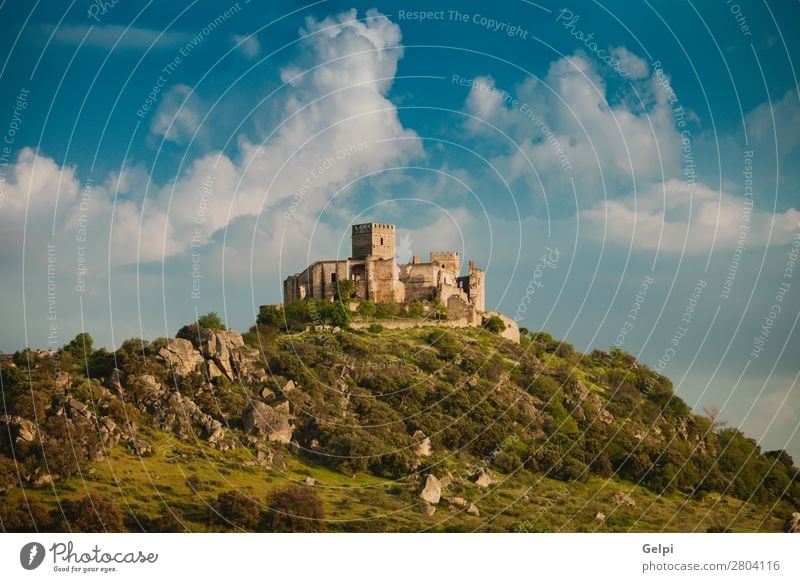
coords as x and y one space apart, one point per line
372 226
444 255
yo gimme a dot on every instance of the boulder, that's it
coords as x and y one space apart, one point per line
114 382
428 510
310 481
601 517
267 394
181 357
264 421
456 501
623 500
21 429
793 523
141 447
482 478
63 380
431 490
424 448
473 510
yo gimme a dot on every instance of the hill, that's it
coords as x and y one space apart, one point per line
370 430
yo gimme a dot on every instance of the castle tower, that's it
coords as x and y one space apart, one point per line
376 240
449 261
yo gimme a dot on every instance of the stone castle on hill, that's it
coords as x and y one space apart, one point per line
377 276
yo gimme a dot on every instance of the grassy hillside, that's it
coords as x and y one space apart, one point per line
564 441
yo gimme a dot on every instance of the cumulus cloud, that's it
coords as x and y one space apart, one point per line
671 217
248 44
623 156
177 118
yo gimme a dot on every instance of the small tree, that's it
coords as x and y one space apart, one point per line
210 320
295 509
236 509
494 324
270 315
334 314
416 309
367 309
95 513
345 288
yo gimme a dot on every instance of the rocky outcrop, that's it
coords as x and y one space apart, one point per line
793 524
179 414
482 478
431 490
261 420
22 430
227 355
181 357
423 448
141 447
623 500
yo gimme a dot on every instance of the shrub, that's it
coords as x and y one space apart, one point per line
95 513
345 289
22 515
295 509
387 310
210 320
270 315
416 309
235 509
367 309
376 328
494 324
169 521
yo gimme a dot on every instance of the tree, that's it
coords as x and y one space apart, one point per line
295 509
333 313
236 509
367 309
210 320
416 309
21 515
270 315
82 344
95 513
345 288
494 324
713 414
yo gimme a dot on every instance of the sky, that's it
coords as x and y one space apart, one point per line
161 161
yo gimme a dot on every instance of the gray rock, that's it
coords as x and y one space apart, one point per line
456 501
181 357
793 523
482 478
601 517
473 510
431 490
141 447
262 420
623 500
424 448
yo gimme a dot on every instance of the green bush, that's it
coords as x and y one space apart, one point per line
296 508
210 320
95 513
495 324
235 509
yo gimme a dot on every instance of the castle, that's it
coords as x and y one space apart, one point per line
377 276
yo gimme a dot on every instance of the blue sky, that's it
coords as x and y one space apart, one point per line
154 143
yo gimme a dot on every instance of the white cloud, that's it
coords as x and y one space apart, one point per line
637 67
671 218
248 44
177 118
113 36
